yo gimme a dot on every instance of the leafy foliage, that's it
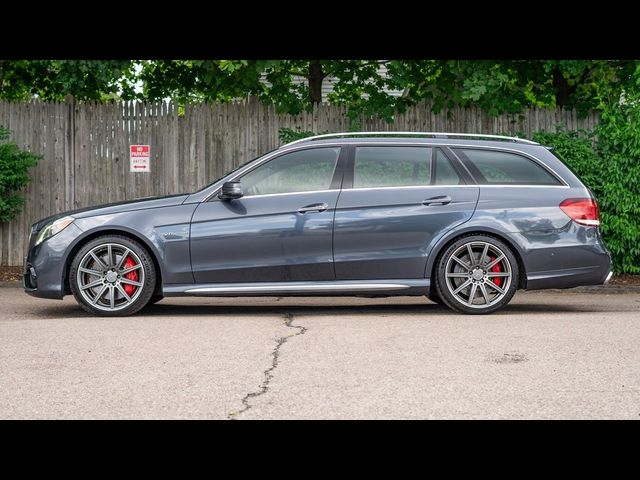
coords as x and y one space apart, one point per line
611 169
55 79
14 166
508 86
198 80
294 86
288 135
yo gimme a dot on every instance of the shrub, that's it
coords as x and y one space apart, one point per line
14 166
610 167
618 146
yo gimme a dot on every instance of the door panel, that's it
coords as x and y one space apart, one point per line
396 201
264 239
280 231
385 233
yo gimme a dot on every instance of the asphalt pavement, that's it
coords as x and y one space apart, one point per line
549 355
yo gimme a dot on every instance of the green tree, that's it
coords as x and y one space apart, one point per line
14 166
294 86
199 80
511 85
55 79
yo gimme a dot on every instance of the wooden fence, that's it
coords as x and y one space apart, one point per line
86 146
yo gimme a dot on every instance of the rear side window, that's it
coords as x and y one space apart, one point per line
495 167
392 167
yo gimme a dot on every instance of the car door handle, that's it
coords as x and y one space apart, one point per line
439 200
314 207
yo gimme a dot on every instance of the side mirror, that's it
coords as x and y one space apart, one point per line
230 190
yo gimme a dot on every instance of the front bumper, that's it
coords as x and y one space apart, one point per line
44 265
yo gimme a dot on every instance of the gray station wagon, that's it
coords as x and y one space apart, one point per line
463 219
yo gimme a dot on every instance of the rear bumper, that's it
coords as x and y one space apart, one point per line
569 278
596 272
573 256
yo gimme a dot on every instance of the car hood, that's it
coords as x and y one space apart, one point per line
117 207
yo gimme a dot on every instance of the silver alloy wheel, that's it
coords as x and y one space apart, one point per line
472 271
102 278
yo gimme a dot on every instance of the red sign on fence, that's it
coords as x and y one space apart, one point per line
139 156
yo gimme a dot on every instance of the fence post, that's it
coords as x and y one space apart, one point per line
70 155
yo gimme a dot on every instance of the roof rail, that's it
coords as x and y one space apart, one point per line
415 134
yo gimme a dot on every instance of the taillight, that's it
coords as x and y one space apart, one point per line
582 210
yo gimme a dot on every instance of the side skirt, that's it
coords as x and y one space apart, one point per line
324 288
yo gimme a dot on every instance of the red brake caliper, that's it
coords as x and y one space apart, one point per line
496 268
130 276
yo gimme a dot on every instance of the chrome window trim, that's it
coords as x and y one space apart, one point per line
284 149
456 186
517 152
331 190
408 186
520 185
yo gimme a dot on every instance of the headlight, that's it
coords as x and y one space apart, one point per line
50 229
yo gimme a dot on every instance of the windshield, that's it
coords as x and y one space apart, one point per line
234 170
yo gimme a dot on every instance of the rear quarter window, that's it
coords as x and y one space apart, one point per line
492 167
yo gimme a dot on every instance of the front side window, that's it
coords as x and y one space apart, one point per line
495 167
392 167
301 171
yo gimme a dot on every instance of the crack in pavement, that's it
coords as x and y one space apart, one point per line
269 372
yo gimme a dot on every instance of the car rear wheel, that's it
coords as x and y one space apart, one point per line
112 276
477 274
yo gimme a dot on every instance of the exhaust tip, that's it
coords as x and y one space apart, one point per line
609 275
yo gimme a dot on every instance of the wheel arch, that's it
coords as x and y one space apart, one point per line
124 232
451 237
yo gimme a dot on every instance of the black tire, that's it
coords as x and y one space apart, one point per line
490 295
139 299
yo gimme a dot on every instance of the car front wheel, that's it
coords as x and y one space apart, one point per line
477 274
112 276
